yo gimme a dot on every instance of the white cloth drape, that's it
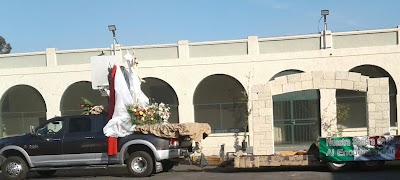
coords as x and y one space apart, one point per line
120 125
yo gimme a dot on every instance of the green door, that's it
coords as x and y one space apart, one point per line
296 117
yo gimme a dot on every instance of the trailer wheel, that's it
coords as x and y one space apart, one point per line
339 167
371 165
140 164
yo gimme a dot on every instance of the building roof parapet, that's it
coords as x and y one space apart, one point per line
23 54
149 46
290 37
82 50
217 42
374 31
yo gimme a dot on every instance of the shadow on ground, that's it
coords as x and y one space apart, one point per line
390 170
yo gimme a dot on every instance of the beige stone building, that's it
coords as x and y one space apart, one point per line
298 88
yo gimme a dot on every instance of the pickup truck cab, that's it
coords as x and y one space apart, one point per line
79 142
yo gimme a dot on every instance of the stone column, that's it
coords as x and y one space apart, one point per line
52 100
252 45
51 57
328 39
262 117
378 106
183 49
328 112
185 108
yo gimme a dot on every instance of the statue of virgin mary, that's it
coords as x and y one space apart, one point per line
135 82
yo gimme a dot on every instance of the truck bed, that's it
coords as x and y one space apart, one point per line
195 131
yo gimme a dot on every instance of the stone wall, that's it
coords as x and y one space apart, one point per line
378 106
262 115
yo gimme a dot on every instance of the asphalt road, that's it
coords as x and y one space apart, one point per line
187 172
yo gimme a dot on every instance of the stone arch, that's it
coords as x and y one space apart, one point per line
71 98
21 107
219 100
377 101
319 80
160 91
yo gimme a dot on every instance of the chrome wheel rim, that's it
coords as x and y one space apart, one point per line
339 164
13 169
139 164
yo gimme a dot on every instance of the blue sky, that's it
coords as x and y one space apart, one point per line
34 25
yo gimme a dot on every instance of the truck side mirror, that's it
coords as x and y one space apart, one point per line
32 129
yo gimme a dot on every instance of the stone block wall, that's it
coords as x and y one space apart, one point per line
378 106
262 115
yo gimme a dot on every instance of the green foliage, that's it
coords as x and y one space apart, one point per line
246 114
5 48
3 130
342 113
87 106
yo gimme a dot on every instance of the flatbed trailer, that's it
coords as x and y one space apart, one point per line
337 153
254 161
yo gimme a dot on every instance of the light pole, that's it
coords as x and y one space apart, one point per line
325 13
112 28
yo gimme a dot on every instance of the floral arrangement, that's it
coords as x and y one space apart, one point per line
153 114
90 108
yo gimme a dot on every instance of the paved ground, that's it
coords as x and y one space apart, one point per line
187 172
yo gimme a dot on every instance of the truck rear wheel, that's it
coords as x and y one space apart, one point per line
140 164
338 167
372 165
14 167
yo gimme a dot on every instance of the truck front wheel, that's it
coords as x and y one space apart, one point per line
338 167
140 164
14 167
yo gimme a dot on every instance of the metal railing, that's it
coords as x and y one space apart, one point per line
12 123
223 117
296 131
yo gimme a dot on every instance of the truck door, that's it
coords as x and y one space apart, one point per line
45 147
82 144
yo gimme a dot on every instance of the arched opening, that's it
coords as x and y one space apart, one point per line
21 107
296 115
72 98
356 101
221 101
159 91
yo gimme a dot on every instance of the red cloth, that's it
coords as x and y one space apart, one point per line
112 141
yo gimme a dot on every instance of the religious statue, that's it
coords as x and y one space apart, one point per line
135 81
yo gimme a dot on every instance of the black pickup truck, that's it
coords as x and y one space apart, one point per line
70 142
